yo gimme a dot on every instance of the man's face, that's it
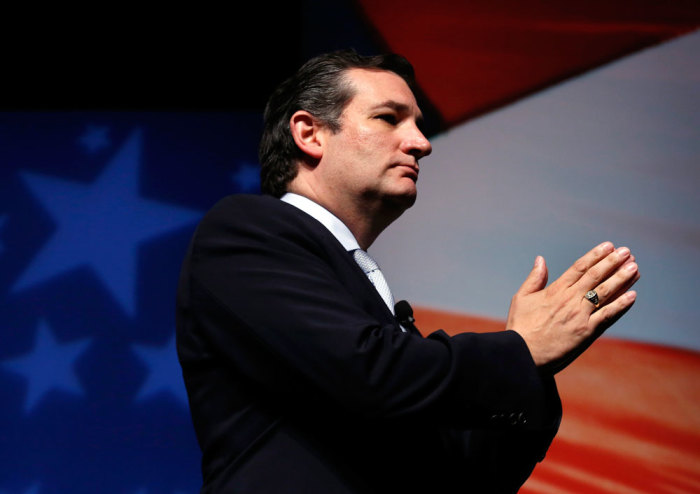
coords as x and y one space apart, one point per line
374 157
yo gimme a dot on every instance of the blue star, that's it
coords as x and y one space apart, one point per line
94 138
48 366
165 373
32 489
247 177
101 225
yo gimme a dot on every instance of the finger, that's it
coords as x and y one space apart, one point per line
602 270
596 330
583 264
606 316
537 279
623 279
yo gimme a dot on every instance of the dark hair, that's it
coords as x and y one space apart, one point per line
320 88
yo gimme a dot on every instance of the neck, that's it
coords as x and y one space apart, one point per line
366 220
365 225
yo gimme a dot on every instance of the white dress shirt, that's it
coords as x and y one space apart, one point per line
327 219
339 230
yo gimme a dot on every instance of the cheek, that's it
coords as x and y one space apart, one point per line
368 135
368 142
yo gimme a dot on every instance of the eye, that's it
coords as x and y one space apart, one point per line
388 118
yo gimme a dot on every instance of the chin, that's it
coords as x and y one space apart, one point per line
404 200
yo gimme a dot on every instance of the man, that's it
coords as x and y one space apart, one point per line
301 378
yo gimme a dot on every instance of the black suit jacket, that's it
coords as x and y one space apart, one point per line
301 380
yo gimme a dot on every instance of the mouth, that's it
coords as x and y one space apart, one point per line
409 170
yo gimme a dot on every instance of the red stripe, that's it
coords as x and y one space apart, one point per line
472 57
631 416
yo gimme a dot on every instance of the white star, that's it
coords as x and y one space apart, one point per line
165 373
101 224
48 366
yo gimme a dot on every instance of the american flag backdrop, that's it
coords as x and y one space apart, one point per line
97 210
553 127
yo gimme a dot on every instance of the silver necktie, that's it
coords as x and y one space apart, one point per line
371 269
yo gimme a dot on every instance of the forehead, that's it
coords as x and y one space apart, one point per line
379 87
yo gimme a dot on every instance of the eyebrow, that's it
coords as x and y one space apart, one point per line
398 107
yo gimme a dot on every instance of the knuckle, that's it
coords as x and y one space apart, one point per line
595 275
603 291
605 313
580 266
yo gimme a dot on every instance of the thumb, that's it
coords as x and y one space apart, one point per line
537 279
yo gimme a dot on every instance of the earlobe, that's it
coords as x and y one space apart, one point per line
306 134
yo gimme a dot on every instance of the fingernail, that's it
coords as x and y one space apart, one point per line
606 246
631 267
623 251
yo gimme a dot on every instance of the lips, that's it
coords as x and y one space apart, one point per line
410 170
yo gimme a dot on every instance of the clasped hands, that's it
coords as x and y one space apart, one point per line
557 322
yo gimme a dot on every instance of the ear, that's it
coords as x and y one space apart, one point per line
306 132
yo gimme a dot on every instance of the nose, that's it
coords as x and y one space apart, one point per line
416 144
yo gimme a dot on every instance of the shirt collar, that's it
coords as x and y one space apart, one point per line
325 217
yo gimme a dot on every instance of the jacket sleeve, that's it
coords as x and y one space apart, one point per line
500 459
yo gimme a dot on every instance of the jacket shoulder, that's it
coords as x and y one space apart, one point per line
263 210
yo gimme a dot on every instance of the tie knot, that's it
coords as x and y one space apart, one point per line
365 261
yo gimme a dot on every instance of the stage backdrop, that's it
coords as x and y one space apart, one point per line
553 129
